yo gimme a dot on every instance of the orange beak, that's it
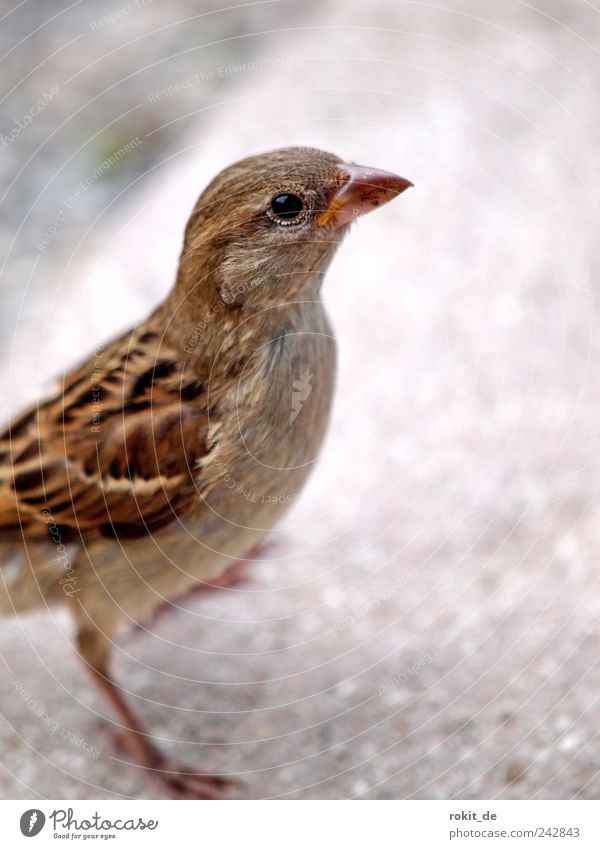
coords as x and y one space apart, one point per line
361 190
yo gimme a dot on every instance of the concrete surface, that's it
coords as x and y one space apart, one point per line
425 624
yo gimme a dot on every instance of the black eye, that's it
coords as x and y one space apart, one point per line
287 207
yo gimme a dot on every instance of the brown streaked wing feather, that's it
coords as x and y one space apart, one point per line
115 453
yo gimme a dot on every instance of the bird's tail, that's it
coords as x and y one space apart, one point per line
30 568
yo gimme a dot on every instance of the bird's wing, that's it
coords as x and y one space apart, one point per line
114 453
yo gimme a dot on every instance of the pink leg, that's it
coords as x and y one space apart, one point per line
178 783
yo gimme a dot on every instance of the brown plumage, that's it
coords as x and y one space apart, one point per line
166 457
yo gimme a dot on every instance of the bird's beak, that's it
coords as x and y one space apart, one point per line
361 190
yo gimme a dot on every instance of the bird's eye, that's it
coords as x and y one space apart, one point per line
287 208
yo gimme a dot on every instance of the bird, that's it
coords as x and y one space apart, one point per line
166 456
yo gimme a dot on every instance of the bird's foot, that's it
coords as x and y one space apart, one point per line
175 781
183 784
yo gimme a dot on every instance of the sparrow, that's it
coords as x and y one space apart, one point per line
164 458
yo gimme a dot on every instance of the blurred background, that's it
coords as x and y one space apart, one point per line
425 622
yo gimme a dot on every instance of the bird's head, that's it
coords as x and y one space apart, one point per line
265 229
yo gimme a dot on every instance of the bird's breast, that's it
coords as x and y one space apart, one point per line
273 423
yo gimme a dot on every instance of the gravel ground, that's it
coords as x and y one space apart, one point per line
424 623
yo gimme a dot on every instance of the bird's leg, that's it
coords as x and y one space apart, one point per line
237 574
232 577
93 647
